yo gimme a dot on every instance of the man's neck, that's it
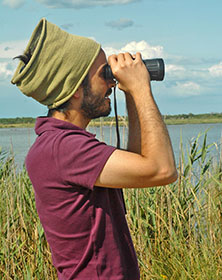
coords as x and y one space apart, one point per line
73 117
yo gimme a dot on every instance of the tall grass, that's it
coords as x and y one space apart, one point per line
176 229
24 253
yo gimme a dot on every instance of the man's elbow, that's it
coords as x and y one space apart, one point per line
159 177
163 175
172 177
168 175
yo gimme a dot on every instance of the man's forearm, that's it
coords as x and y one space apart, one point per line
134 131
155 140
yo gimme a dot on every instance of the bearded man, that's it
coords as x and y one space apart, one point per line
77 179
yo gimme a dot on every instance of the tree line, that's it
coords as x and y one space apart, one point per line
192 116
30 120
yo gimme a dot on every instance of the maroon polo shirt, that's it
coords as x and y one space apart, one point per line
84 225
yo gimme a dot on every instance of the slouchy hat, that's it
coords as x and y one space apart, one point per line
59 63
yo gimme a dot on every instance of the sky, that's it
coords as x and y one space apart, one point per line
186 34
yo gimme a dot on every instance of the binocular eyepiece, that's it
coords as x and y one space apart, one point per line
155 67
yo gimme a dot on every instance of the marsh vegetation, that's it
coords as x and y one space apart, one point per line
176 229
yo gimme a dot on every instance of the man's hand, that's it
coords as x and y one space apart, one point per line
130 72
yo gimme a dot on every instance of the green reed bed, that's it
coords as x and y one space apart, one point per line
24 253
176 229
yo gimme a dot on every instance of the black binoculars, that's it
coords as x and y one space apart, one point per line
155 67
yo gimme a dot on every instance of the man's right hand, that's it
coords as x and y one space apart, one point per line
130 72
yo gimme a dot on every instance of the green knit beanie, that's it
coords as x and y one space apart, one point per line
59 63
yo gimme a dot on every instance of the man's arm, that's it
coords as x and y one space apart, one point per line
134 131
149 160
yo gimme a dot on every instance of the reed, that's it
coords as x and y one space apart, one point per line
176 229
24 253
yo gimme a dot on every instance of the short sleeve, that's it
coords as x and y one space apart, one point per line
80 158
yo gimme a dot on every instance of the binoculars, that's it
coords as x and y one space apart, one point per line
155 67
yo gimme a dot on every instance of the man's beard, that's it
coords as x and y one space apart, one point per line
94 106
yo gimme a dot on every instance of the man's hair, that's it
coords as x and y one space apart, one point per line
28 54
24 57
63 108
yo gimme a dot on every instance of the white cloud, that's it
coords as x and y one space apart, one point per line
174 68
120 23
186 89
110 50
79 4
216 70
175 71
12 49
6 70
8 50
13 3
146 50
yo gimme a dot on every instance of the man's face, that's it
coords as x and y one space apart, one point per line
94 105
95 95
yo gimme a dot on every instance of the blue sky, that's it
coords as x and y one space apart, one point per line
186 34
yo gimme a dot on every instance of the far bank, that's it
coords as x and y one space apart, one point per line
123 120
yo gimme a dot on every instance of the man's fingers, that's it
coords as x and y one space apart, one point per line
112 59
138 56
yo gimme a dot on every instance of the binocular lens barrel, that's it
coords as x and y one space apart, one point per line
154 66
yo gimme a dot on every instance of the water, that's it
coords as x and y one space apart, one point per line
19 140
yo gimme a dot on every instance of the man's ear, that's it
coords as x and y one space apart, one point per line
78 93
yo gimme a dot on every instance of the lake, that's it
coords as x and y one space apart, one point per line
19 140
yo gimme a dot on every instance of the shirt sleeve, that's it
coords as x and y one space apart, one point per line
80 158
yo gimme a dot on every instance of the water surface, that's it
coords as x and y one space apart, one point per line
19 140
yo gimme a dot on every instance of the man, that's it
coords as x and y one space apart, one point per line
77 179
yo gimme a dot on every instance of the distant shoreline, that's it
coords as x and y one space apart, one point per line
123 121
97 123
192 121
